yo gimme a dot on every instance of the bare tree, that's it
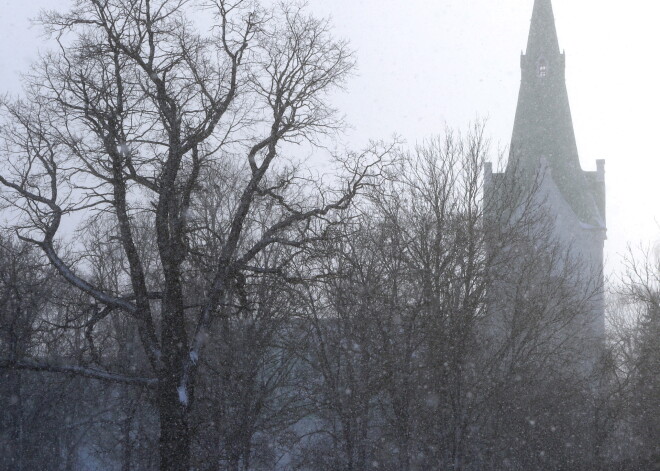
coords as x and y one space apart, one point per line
450 330
124 118
636 329
344 318
23 294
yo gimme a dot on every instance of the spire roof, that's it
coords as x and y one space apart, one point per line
542 32
543 127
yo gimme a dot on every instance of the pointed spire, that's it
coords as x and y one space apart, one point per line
543 128
542 32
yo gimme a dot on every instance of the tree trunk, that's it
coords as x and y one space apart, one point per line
175 434
174 392
16 419
127 424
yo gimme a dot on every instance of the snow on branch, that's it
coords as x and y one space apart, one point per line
87 372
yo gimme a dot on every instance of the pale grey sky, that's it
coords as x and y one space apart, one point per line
425 63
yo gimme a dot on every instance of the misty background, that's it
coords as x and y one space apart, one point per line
227 310
426 64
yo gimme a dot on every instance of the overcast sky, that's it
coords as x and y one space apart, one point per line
423 64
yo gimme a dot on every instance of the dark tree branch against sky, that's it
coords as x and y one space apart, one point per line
123 121
427 64
261 235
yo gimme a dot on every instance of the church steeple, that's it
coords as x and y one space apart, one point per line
544 158
542 33
543 127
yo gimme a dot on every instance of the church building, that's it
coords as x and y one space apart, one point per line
543 147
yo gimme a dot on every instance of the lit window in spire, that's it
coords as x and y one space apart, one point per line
542 68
